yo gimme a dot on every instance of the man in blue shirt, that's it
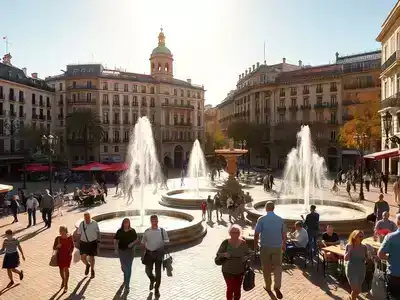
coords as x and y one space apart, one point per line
273 241
390 250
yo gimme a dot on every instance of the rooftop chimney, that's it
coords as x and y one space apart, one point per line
34 75
284 60
189 80
7 59
254 67
300 63
24 70
258 64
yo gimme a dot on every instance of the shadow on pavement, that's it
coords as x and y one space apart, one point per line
79 296
5 290
32 234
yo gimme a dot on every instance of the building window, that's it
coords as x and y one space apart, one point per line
281 118
60 86
116 149
74 84
125 87
333 135
319 116
105 86
319 88
175 92
89 84
281 102
105 118
116 86
152 90
134 118
333 99
116 100
319 100
105 149
134 101
126 136
105 99
152 102
182 93
33 99
134 88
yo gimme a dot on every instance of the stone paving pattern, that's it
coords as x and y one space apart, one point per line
195 275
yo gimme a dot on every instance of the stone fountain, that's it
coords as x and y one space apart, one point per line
144 169
305 183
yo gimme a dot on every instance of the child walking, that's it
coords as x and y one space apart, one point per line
11 258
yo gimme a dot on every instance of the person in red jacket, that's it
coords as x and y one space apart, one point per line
203 210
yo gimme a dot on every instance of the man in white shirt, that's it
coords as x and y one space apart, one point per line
153 243
89 241
298 241
31 206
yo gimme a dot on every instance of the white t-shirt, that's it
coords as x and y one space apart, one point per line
92 230
153 239
32 203
302 238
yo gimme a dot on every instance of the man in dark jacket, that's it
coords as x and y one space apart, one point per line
47 206
312 225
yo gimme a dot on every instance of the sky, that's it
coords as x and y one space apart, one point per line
213 41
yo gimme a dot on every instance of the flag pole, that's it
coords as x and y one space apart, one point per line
264 51
6 42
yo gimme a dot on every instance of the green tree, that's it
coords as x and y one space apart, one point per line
84 125
214 141
32 138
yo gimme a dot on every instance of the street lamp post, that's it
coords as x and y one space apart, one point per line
360 141
49 142
242 145
387 126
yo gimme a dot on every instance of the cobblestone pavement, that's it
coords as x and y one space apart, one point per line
195 275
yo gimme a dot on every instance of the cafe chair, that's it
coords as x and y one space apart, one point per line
324 260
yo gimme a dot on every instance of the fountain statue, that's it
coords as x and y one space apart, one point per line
305 171
197 165
142 159
231 186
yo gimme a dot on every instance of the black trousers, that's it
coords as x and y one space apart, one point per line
154 261
15 215
393 284
46 215
32 216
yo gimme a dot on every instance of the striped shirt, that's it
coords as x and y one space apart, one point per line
10 245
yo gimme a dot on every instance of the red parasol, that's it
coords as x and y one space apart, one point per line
117 167
91 167
36 168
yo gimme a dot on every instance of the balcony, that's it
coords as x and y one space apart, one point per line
360 85
126 103
61 117
12 98
106 122
48 104
305 107
2 113
333 89
332 122
392 101
61 103
350 102
306 91
126 140
293 108
319 91
42 118
105 140
35 117
126 122
332 105
293 93
48 118
12 114
41 104
173 105
177 140
134 104
116 140
267 110
2 96
391 61
281 108
282 94
82 87
105 102
319 106
116 122
183 124
22 115
116 102
91 101
21 100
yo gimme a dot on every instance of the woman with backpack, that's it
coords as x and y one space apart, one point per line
232 255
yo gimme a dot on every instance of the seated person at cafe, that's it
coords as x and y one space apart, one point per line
77 194
298 241
329 238
385 224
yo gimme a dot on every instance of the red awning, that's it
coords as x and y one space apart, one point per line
91 167
388 153
117 167
36 168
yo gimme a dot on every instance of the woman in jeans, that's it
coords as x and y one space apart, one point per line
125 240
64 246
355 256
233 253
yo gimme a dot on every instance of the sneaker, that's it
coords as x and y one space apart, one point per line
87 269
278 294
21 275
151 286
157 293
10 284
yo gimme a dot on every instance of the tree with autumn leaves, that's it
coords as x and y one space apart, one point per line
365 120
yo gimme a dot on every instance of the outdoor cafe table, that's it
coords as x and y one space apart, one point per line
337 249
370 241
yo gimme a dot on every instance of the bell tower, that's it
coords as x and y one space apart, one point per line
161 60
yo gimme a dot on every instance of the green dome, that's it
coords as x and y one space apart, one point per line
161 50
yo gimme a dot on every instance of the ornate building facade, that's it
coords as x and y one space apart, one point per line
24 101
389 37
285 96
174 107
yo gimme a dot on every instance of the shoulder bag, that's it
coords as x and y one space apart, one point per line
54 258
219 260
249 279
84 230
167 259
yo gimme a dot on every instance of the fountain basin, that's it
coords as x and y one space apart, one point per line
186 198
343 216
182 228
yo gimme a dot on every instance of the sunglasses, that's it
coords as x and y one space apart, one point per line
235 232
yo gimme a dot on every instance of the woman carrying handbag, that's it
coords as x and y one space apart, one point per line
232 255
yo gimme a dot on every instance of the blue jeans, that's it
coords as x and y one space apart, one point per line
126 259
